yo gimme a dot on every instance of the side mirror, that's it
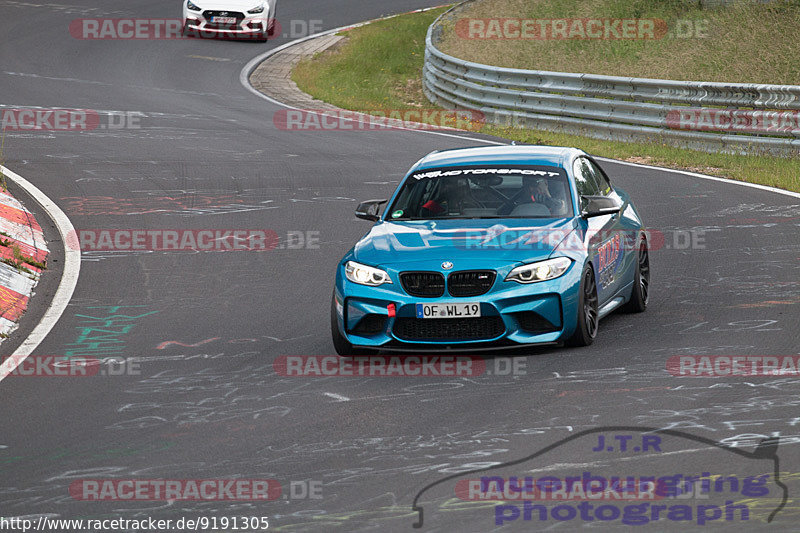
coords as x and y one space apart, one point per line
595 206
369 210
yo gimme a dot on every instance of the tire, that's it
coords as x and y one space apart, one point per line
188 32
340 343
640 294
263 36
588 317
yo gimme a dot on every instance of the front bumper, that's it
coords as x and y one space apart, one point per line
512 314
246 25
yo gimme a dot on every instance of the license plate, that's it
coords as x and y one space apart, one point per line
457 310
223 20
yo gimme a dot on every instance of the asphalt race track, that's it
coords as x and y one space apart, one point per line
201 330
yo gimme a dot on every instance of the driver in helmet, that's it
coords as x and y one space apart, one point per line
536 190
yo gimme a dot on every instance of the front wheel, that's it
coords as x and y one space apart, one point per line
640 294
588 316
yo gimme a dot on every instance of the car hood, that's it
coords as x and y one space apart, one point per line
503 240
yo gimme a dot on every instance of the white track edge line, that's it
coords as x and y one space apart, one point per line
706 177
69 278
244 79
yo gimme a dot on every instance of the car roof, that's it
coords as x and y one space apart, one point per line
507 154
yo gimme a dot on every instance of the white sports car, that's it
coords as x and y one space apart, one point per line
250 19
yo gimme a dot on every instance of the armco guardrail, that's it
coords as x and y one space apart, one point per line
744 118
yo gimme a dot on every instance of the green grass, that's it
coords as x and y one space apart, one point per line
379 67
19 259
745 42
22 258
17 265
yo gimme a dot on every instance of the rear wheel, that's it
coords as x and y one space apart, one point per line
588 316
640 294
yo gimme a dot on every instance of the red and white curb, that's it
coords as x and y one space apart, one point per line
69 275
21 240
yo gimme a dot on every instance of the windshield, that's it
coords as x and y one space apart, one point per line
484 192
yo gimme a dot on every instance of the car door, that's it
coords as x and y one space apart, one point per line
604 241
625 227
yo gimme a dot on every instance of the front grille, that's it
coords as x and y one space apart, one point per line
534 323
470 282
457 329
236 14
423 284
370 325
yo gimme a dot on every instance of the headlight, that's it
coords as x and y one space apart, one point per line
365 275
191 6
540 271
255 10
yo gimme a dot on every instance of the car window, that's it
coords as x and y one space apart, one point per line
599 176
585 180
514 191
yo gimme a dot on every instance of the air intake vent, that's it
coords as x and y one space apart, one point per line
457 329
423 284
470 282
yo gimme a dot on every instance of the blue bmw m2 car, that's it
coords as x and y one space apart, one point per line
491 246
